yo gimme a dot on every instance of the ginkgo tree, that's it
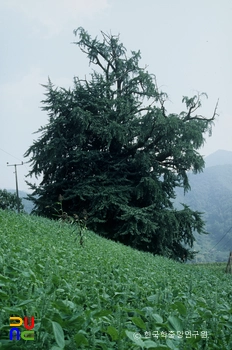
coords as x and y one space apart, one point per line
111 150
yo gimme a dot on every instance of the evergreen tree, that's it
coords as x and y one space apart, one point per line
111 150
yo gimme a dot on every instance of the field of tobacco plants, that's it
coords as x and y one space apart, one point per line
103 295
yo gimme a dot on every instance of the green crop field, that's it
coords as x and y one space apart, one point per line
103 295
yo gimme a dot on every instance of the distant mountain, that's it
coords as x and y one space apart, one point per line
211 193
220 157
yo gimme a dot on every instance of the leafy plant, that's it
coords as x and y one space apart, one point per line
106 296
75 220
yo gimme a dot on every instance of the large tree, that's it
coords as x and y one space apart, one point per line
110 148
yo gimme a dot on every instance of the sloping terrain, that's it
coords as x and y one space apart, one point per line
103 295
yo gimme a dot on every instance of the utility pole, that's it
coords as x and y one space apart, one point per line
16 181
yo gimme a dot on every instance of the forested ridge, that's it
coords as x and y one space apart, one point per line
211 193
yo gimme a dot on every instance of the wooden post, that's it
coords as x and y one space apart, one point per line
16 180
229 264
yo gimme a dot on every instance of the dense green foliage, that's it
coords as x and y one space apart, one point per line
111 149
9 201
104 295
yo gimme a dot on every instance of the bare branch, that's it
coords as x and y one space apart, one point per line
199 116
90 47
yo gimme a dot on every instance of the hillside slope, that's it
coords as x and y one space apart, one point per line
104 295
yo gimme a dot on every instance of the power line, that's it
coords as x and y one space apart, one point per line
226 242
23 163
220 239
9 154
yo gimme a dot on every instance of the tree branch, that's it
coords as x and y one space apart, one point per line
194 107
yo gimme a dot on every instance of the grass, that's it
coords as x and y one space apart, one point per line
105 295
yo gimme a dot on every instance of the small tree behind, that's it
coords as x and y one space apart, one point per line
9 201
111 148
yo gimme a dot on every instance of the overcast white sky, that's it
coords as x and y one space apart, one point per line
186 44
